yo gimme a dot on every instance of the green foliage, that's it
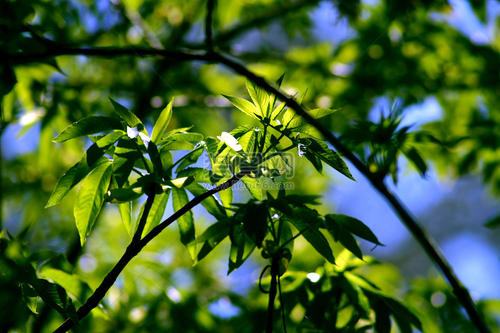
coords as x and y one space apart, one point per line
325 280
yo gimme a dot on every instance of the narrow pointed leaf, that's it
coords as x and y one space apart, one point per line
309 228
211 237
321 112
414 156
72 177
91 198
211 204
354 226
125 214
243 105
185 222
259 97
87 126
156 212
130 119
160 127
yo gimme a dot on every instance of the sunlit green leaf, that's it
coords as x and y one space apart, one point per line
211 237
243 105
156 212
160 127
185 222
73 176
130 119
91 198
87 126
211 204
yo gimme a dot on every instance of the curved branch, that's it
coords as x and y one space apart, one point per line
410 223
407 219
134 248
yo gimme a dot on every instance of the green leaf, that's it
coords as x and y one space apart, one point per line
190 158
70 282
259 97
255 187
330 157
321 112
110 138
242 247
55 296
308 224
185 222
91 198
75 174
315 161
354 226
156 213
120 195
493 222
154 155
160 127
290 119
181 182
124 158
403 316
414 156
211 204
87 126
125 210
200 175
211 237
356 295
243 105
130 119
346 239
180 140
254 218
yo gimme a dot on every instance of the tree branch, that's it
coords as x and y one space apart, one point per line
272 293
208 25
20 58
411 224
278 11
135 246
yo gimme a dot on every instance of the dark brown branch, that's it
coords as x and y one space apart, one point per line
411 224
272 294
104 52
144 217
276 12
208 25
134 248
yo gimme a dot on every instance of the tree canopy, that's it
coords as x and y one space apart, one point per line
168 165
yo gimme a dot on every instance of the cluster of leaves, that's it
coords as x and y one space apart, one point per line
341 298
379 144
124 163
30 288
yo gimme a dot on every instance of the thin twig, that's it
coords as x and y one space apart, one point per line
134 248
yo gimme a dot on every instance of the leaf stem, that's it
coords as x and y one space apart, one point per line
272 293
